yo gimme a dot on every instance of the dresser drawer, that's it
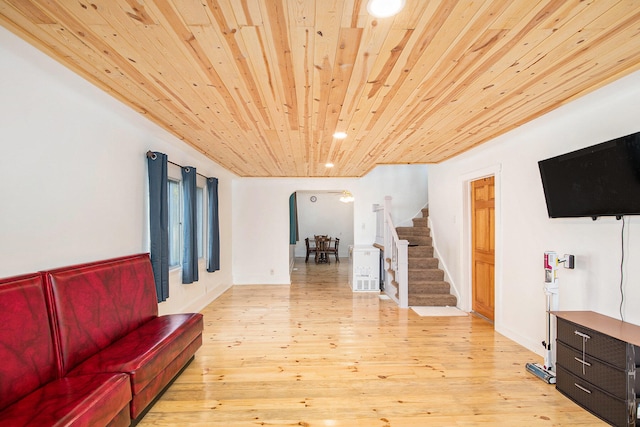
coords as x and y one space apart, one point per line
596 344
612 410
587 368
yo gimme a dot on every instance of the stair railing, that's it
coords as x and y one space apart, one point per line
396 256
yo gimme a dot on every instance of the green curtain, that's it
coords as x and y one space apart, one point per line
293 219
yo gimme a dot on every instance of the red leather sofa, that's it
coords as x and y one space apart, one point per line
84 345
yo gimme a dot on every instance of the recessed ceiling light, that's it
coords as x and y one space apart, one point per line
384 8
328 165
340 135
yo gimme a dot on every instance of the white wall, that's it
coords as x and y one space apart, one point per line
406 184
261 215
73 179
74 185
523 229
327 215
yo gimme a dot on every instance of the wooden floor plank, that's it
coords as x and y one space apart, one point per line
316 354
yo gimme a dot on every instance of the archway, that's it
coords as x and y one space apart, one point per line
322 212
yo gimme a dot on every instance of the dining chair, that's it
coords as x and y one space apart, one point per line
310 248
333 249
322 243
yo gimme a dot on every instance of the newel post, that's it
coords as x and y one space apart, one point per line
388 247
403 273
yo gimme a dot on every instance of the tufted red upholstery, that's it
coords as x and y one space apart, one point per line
98 303
84 346
142 398
107 321
147 353
31 392
26 344
147 350
88 400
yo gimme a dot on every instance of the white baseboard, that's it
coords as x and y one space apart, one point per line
212 295
443 266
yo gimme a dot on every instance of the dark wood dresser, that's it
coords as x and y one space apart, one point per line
596 359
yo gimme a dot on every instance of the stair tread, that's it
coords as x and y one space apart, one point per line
431 275
424 261
434 282
429 286
412 230
434 296
430 282
434 301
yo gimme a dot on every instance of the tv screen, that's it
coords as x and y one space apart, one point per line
601 180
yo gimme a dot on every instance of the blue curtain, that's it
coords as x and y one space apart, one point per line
159 222
293 219
213 241
189 226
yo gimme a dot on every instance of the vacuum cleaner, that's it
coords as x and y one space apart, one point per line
546 372
541 372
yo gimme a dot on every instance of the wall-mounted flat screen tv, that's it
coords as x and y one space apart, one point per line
601 180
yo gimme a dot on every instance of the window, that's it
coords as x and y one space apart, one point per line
175 224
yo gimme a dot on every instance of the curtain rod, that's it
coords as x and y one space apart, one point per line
151 155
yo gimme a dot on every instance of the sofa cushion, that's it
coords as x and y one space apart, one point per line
88 400
27 353
147 351
100 302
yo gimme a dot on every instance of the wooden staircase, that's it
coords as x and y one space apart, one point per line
426 281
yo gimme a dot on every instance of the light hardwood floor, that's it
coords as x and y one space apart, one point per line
317 354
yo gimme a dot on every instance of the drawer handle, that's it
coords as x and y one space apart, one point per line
582 388
582 361
581 334
585 337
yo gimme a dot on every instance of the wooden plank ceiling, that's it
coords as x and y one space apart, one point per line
260 86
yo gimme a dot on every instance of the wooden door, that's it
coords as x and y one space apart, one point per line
483 246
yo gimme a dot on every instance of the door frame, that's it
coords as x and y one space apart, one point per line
466 244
